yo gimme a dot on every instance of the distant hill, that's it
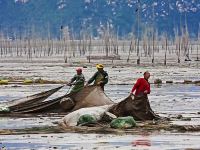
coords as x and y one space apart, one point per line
43 16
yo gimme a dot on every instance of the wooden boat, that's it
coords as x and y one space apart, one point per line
18 104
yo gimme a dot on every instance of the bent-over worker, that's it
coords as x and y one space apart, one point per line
78 81
142 86
100 77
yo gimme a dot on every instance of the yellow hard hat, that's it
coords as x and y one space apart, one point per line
99 66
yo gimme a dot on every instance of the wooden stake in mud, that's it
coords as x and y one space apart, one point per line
177 44
166 48
90 47
153 48
198 44
179 49
138 32
129 53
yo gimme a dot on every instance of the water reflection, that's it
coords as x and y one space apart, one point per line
141 142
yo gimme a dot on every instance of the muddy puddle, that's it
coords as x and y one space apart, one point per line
167 100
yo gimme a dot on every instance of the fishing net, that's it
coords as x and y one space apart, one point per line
137 107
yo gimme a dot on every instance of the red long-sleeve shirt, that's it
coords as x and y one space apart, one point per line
141 86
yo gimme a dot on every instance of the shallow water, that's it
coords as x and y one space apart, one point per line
118 75
167 100
101 142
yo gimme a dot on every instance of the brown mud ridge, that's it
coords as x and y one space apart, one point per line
30 82
43 82
102 128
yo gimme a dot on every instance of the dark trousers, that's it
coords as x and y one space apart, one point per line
102 87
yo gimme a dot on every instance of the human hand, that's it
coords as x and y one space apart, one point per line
100 82
145 92
69 84
86 85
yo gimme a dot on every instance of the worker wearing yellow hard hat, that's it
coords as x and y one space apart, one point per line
100 78
99 66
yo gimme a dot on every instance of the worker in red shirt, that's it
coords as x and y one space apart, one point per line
142 86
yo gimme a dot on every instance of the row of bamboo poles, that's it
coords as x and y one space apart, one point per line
149 45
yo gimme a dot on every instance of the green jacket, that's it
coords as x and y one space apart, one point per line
78 81
99 76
